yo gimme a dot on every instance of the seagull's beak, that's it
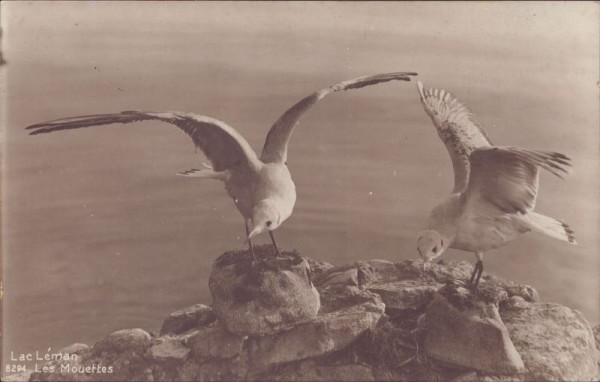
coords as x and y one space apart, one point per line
253 233
426 264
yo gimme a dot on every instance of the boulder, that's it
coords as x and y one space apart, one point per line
596 331
23 376
130 340
374 272
215 342
556 343
377 271
265 296
76 352
188 318
388 349
338 297
318 267
405 298
515 302
342 277
168 349
526 292
76 348
120 356
329 332
472 337
311 370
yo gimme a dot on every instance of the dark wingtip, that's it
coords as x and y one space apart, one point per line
36 132
404 75
35 126
570 233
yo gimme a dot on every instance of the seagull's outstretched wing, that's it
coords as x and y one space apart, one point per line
275 148
505 179
457 128
221 144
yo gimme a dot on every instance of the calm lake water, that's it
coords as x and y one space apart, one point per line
98 232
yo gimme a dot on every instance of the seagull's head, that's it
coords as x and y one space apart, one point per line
431 244
265 216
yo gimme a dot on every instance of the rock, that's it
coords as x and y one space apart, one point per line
215 342
327 333
318 267
347 373
337 297
346 277
76 348
120 356
263 297
526 292
461 296
405 298
555 342
72 356
375 272
469 376
187 318
212 370
20 377
441 272
596 331
169 349
131 340
387 348
311 370
515 302
474 337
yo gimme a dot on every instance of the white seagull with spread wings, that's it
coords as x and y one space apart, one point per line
262 189
494 187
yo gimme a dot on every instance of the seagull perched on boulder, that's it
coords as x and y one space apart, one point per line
262 189
495 188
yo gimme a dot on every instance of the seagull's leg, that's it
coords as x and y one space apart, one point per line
473 275
474 282
274 244
249 241
480 263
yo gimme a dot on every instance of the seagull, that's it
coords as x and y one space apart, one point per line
261 188
495 188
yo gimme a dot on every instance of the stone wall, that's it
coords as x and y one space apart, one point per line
377 321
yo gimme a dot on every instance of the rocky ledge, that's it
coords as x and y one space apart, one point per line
377 320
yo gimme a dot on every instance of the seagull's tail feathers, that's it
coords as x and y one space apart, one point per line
205 174
550 227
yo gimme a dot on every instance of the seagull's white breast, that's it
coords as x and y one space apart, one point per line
276 184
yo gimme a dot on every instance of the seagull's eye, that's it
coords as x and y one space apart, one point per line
435 249
269 223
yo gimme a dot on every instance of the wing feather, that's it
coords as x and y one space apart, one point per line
222 144
506 178
457 128
275 147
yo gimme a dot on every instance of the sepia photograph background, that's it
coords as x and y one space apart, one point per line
98 234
